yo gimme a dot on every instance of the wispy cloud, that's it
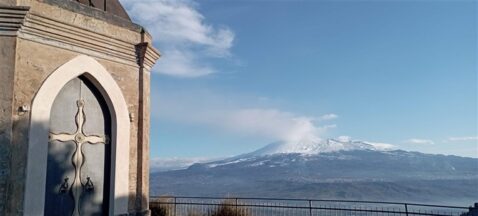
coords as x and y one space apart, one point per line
419 141
272 123
219 112
344 138
183 63
329 116
462 139
184 37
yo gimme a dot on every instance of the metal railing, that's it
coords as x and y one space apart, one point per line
214 206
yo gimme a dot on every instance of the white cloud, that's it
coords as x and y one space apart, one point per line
463 139
419 141
185 40
183 63
344 138
272 123
222 113
329 116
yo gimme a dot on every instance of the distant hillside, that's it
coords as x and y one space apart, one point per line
332 170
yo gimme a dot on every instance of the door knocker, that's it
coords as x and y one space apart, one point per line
64 186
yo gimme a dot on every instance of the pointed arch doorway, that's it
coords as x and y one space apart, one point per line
79 144
77 181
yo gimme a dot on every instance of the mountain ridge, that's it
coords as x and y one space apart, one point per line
317 146
362 171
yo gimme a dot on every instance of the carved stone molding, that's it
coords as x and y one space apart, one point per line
60 32
141 49
151 56
56 33
146 55
11 19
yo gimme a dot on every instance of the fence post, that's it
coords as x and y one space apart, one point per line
235 213
175 205
473 211
406 209
310 207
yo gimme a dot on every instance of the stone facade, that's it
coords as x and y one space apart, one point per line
37 37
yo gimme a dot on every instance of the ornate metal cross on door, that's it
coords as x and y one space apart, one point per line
79 138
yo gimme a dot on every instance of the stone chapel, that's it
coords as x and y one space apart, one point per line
74 108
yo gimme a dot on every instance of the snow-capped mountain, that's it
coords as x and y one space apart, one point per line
317 146
304 149
329 169
175 163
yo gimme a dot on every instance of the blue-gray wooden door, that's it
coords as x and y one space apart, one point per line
78 182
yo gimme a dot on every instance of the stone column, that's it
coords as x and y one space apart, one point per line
10 23
142 196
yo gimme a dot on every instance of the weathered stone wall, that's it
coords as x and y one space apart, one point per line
7 68
9 2
50 37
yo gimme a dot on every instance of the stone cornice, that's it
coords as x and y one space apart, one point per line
96 13
11 19
146 55
55 33
151 56
28 25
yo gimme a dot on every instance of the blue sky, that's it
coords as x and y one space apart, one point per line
238 74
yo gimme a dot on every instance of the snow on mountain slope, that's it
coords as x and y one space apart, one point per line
328 169
317 146
306 148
